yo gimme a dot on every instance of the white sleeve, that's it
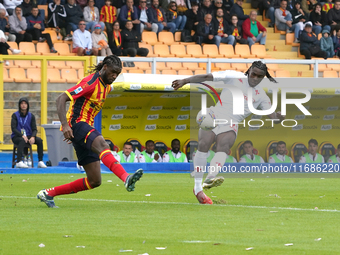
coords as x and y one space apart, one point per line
265 102
234 160
302 159
166 157
159 159
262 161
323 159
242 160
271 160
141 158
227 75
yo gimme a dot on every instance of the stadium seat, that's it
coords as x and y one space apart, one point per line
6 77
166 37
150 38
36 63
195 50
13 45
57 64
179 51
273 67
75 64
11 64
44 49
321 67
239 66
18 75
191 66
172 72
69 75
28 48
185 72
34 74
81 74
23 63
333 67
282 74
54 76
211 51
290 40
53 35
63 49
142 65
297 150
200 72
162 66
227 51
149 47
243 51
222 66
174 65
203 65
177 36
278 31
330 74
136 71
15 153
162 50
259 51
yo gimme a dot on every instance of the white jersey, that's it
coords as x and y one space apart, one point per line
239 80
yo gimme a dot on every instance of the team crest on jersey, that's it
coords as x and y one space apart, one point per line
78 90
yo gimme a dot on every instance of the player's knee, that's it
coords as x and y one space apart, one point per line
95 183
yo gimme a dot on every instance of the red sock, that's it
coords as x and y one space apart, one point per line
69 188
109 160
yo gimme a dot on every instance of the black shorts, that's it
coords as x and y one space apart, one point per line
84 135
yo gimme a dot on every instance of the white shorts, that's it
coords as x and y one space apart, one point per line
225 128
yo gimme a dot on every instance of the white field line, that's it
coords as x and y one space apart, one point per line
181 203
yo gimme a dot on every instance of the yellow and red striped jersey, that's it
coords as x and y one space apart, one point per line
108 14
87 99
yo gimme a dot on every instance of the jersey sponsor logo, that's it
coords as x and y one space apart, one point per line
120 107
156 108
328 117
180 127
326 127
135 86
186 108
183 117
114 127
298 127
117 116
78 90
333 108
172 96
150 127
152 117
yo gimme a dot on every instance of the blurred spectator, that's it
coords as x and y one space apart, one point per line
4 46
252 29
280 155
224 33
26 7
99 41
318 19
327 6
326 43
3 8
57 16
81 3
145 17
238 10
336 157
160 18
10 5
35 26
336 41
269 6
206 31
149 155
250 157
100 3
4 26
227 4
206 8
116 44
284 20
181 6
130 39
74 16
310 6
312 156
82 41
310 45
192 18
129 12
333 15
299 19
219 4
290 5
173 16
91 16
127 155
175 155
237 31
108 15
18 26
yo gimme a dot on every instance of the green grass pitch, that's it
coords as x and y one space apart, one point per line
263 213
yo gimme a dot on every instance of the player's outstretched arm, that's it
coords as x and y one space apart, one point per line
176 84
61 109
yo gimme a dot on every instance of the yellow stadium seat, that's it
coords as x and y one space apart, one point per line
124 70
69 75
333 67
36 63
282 73
75 64
195 50
273 67
149 47
136 71
81 74
53 35
290 40
142 65
227 51
34 74
243 51
150 38
18 75
162 50
222 66
174 65
202 65
166 37
200 72
6 77
172 72
13 45
259 51
44 49
11 64
63 49
211 51
330 74
28 48
178 50
178 35
54 76
162 66
184 72
57 64
23 63
239 66
191 66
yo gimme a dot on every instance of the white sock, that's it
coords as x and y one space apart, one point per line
200 162
216 164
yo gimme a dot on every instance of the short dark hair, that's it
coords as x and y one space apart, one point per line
281 142
313 140
175 140
128 143
149 141
248 141
219 8
18 7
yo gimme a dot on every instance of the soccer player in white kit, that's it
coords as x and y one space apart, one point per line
225 134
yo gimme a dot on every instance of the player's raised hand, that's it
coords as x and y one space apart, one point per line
176 84
68 134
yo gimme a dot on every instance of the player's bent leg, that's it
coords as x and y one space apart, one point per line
205 140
